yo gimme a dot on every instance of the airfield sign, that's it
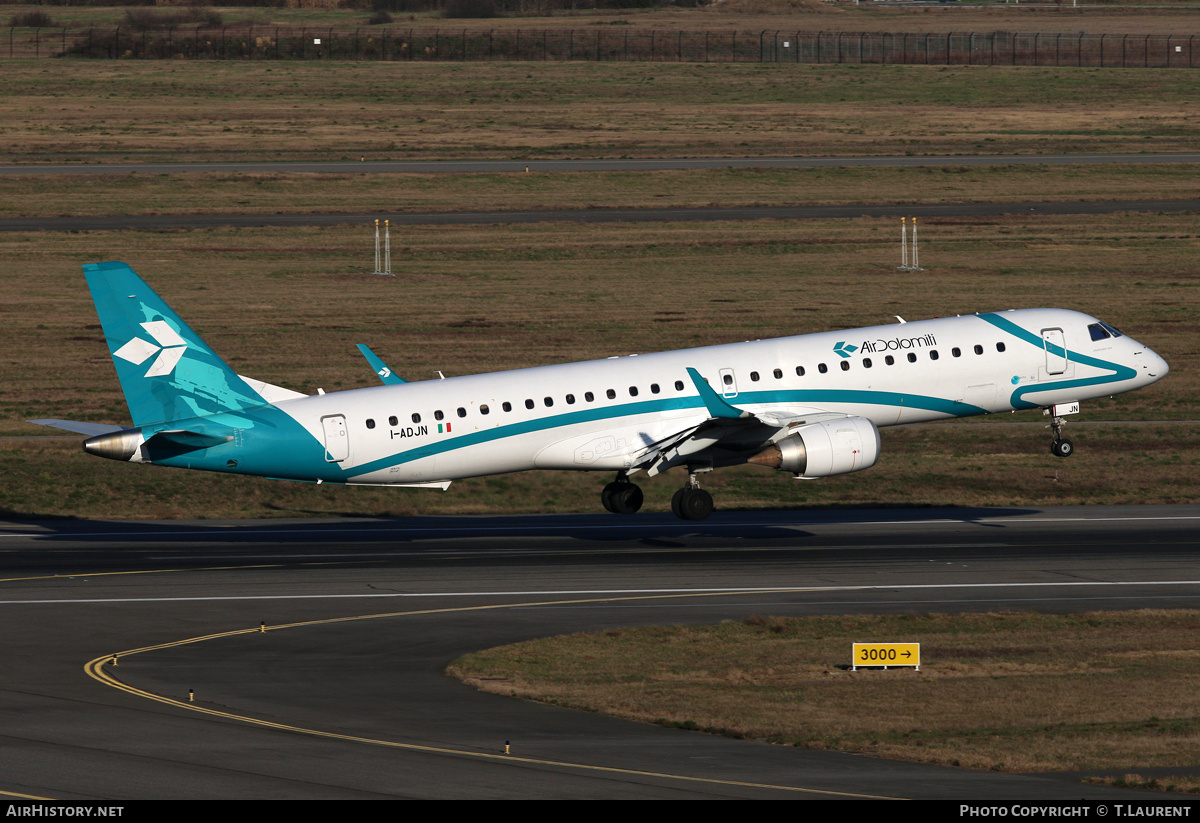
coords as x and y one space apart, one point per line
886 655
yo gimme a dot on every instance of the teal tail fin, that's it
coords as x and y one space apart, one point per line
166 371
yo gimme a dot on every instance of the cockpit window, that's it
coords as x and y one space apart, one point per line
1097 332
1111 330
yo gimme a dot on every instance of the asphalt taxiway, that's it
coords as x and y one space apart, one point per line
344 694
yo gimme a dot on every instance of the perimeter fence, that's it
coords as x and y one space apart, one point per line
247 42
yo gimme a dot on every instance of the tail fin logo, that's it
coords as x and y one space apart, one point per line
170 348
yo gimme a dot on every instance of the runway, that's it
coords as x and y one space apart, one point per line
353 704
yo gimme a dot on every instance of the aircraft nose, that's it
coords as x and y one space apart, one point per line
1155 365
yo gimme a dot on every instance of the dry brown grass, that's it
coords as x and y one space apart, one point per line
478 298
743 15
161 110
266 193
1010 692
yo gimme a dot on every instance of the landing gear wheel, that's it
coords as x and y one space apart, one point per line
622 498
1062 448
692 504
677 504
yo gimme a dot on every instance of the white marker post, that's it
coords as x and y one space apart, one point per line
904 264
915 266
383 262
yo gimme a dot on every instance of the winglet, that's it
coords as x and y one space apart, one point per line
716 405
388 377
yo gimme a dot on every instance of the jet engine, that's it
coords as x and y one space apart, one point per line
848 444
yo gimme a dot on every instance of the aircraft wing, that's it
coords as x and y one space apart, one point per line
729 435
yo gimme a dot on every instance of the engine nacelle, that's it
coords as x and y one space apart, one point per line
823 449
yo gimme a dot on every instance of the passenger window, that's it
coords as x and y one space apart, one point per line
588 396
866 362
549 401
999 347
370 423
727 379
678 385
506 406
822 368
484 409
956 351
778 374
891 361
633 391
654 389
528 403
462 412
611 394
799 371
392 421
978 349
845 365
753 377
570 399
912 358
933 355
437 415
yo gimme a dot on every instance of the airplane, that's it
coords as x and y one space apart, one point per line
809 405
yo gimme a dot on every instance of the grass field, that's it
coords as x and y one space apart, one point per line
388 194
162 110
471 299
1126 17
1013 692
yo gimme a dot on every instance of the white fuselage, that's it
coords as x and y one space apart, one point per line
603 414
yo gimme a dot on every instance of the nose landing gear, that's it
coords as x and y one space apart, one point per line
1060 446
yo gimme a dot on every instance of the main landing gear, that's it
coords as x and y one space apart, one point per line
692 502
621 496
689 503
1060 446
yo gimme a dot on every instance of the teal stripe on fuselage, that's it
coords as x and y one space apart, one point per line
799 396
1017 401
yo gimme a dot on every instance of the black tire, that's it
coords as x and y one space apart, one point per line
677 504
627 499
1064 448
606 497
696 504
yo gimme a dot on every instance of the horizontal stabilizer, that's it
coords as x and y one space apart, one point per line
79 426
